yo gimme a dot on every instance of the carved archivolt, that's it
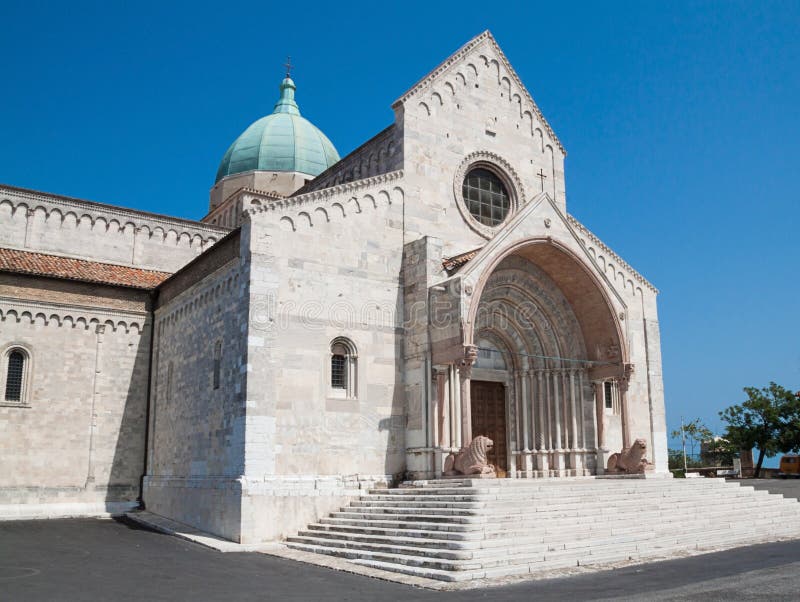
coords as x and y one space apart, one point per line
504 171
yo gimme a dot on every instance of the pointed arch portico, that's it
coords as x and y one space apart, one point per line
539 304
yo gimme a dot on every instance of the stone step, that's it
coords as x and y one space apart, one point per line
574 521
402 539
555 485
477 502
528 512
470 529
409 515
396 523
437 552
561 538
573 495
402 559
416 531
602 552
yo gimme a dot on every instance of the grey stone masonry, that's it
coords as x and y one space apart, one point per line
75 445
49 223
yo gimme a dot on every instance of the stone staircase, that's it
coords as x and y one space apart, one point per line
456 530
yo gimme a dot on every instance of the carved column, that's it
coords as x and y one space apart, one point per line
442 432
533 397
523 390
573 413
623 399
597 387
602 450
455 398
559 451
465 373
581 416
543 463
556 410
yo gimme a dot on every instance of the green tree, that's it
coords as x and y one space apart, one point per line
695 432
768 420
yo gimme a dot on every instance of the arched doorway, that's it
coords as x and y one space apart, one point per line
541 311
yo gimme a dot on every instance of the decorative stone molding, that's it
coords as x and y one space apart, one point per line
500 167
317 196
320 206
590 241
192 300
376 156
457 58
70 316
108 217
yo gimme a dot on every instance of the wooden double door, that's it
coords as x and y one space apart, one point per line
488 401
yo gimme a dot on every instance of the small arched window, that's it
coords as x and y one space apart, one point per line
343 368
15 387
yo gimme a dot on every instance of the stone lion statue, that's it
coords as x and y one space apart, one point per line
631 460
470 459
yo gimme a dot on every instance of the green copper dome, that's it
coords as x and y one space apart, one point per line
282 141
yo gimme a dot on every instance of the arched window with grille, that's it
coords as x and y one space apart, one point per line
16 368
343 368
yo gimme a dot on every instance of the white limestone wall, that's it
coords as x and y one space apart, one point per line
646 387
45 223
76 446
196 431
322 265
381 154
472 104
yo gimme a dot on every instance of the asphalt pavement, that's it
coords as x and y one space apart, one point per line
93 559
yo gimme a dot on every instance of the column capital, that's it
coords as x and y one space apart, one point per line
468 360
626 377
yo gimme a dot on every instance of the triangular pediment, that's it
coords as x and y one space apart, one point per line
481 52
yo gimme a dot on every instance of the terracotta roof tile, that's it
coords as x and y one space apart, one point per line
39 264
455 262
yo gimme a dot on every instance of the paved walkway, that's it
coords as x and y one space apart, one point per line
90 559
786 487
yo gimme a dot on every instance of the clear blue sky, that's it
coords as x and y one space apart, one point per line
681 122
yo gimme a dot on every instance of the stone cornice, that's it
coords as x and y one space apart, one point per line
457 56
319 195
603 247
89 314
138 218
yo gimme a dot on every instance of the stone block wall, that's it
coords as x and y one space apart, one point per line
197 422
76 444
473 107
57 225
322 265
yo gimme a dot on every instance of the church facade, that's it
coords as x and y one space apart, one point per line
331 325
